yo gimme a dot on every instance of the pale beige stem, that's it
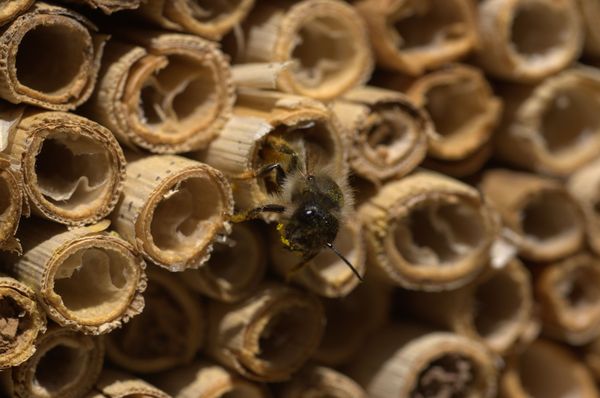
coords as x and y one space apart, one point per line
116 384
326 274
568 293
73 168
235 268
208 380
21 321
388 132
320 381
11 9
351 320
584 185
109 6
545 217
428 232
50 58
172 210
167 334
552 127
405 360
414 36
546 370
463 109
167 93
528 40
239 149
495 310
207 18
268 336
85 278
66 364
326 40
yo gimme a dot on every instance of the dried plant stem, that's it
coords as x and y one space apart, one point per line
116 384
428 232
11 204
584 185
546 218
38 67
9 10
315 381
109 6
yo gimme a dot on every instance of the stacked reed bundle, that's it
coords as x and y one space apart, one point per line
11 9
115 384
109 6
321 381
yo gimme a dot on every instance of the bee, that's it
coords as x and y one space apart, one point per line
312 202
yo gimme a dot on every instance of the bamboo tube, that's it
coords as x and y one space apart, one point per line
459 131
590 12
66 364
168 93
238 149
540 211
464 167
168 333
326 40
414 36
496 310
320 381
172 210
326 274
388 133
116 384
552 128
546 370
584 185
235 269
9 10
206 380
109 6
21 321
85 278
407 361
73 169
207 18
268 336
528 40
11 204
568 293
428 232
50 58
351 320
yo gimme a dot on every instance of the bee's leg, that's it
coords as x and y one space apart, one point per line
256 212
305 259
261 172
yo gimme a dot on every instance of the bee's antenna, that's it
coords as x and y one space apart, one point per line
330 245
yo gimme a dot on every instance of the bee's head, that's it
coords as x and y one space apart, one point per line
310 228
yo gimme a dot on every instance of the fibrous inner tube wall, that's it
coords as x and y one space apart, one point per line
71 361
390 137
323 51
14 320
208 10
538 29
451 375
436 232
580 290
549 215
92 282
72 170
4 196
184 214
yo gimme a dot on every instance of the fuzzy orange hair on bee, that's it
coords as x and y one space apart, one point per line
313 201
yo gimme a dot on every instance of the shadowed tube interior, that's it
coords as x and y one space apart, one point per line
4 196
450 375
207 10
14 321
538 28
72 362
549 215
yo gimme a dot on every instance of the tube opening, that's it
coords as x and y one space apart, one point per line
437 232
496 308
14 321
93 282
230 264
323 50
430 24
210 10
72 170
538 28
448 118
450 375
571 119
285 339
390 137
580 289
181 97
549 215
185 214
5 196
50 56
310 140
545 372
242 391
72 363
